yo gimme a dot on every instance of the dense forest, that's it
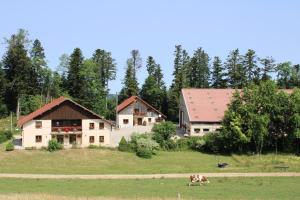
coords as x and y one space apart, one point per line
27 82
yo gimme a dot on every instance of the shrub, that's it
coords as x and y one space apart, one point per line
92 146
53 145
9 146
146 147
8 134
124 145
162 134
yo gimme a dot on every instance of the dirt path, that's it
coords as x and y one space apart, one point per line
145 176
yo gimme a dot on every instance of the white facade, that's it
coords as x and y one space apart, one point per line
37 137
137 114
194 128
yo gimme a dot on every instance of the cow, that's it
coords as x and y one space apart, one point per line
198 178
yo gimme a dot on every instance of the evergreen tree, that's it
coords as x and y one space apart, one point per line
235 69
198 71
3 108
181 63
39 67
106 66
218 74
153 90
74 81
130 82
93 96
250 66
18 69
268 66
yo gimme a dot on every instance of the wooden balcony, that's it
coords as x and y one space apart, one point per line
139 113
66 129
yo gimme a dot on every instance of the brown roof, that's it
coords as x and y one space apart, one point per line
208 105
133 99
49 106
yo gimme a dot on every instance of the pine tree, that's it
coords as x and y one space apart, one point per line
40 71
106 66
18 71
181 63
218 74
74 81
198 71
3 108
268 66
153 90
235 69
130 82
250 66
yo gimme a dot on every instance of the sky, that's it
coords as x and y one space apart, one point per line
270 27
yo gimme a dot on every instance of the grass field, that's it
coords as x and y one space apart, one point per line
99 161
219 188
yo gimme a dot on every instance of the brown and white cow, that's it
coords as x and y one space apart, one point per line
198 178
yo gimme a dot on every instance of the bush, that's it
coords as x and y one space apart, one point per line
9 146
53 145
5 135
146 147
162 134
92 146
124 145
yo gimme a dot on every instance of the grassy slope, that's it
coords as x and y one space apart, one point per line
219 188
95 161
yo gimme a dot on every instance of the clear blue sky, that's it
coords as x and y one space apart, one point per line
272 28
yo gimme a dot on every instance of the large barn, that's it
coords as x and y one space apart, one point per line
202 110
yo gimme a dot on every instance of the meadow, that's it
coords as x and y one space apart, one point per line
219 188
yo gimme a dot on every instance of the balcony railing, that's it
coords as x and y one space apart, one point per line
139 113
67 129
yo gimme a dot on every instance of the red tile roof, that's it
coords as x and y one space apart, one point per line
208 105
49 106
133 99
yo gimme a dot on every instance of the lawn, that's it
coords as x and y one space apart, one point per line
99 161
219 188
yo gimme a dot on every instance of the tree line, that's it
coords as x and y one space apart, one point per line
27 82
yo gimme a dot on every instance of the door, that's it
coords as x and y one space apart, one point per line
140 121
60 139
72 139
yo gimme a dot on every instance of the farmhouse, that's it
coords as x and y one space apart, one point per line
66 121
134 111
202 110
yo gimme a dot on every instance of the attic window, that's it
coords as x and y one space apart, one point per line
206 130
197 130
38 124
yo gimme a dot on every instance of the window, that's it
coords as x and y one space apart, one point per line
149 120
38 124
101 125
206 130
92 125
38 138
125 121
136 110
101 139
92 139
197 130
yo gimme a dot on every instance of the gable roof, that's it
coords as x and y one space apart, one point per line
51 105
133 99
208 105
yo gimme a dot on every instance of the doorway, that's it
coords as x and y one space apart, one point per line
140 121
60 139
72 139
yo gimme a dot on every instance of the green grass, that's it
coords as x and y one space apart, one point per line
102 161
219 188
